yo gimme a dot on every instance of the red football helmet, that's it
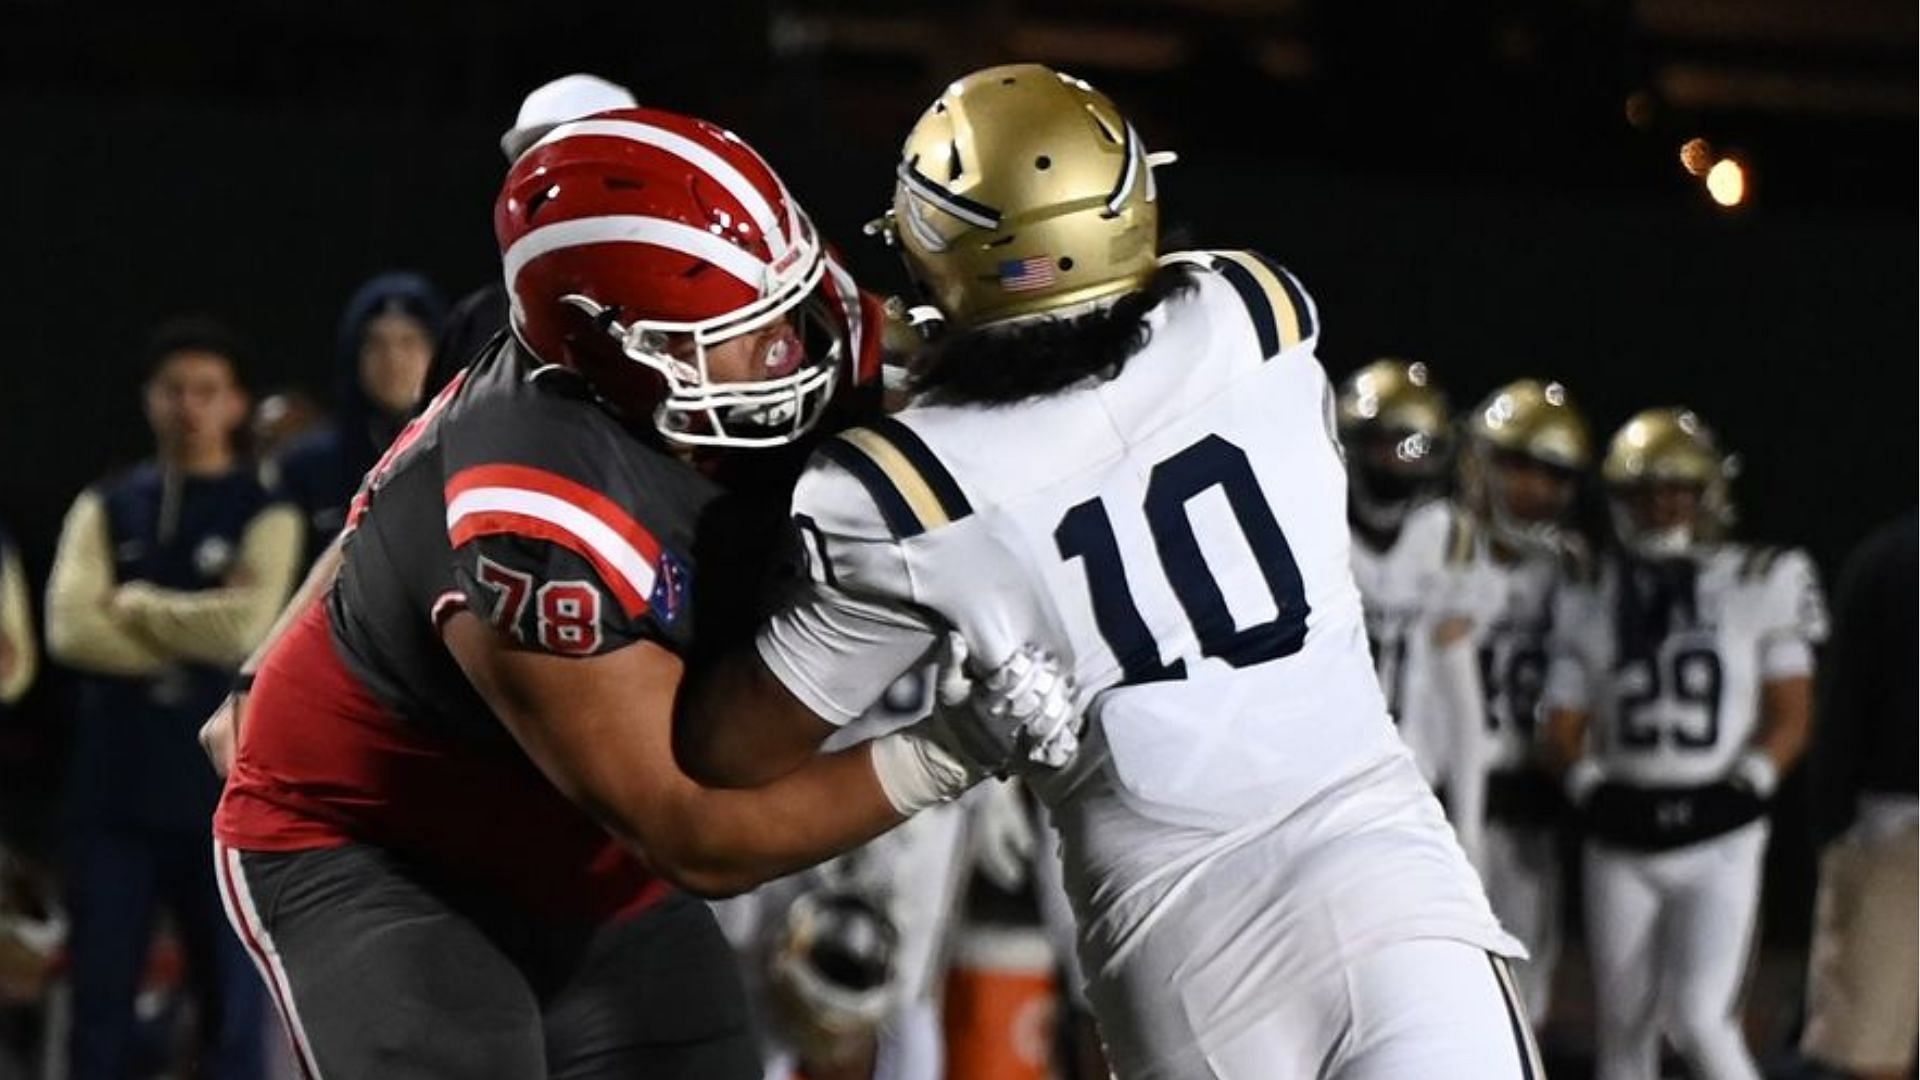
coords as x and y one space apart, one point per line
635 241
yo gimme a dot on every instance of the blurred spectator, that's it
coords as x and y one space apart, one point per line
1864 975
19 658
282 417
483 313
384 347
165 577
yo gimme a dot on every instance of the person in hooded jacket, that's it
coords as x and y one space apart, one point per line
385 345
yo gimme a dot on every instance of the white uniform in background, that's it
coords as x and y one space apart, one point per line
915 873
1672 930
1398 586
1509 603
1264 885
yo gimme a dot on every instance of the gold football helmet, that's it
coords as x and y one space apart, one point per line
1395 429
1022 191
1667 482
1526 447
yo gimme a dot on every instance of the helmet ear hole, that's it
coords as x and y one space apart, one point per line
1105 128
537 200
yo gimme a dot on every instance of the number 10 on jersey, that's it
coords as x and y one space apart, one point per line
1086 533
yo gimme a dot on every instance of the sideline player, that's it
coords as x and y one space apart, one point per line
1131 461
1679 694
1512 548
1395 430
449 826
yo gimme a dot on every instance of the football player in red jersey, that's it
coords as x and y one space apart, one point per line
451 821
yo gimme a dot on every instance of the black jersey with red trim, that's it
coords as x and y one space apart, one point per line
516 495
520 497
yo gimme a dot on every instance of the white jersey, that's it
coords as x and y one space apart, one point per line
1443 566
1510 601
1178 532
1178 535
1408 590
1679 709
1397 585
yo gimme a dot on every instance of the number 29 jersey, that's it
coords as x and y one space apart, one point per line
1176 533
1677 710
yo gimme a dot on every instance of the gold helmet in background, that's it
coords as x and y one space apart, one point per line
1395 427
1022 191
1670 449
834 974
1532 426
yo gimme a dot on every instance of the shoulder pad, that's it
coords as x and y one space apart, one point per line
914 491
1758 562
1755 562
1463 534
534 504
1577 563
1282 313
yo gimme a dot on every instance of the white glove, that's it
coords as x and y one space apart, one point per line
1755 771
1020 714
1581 780
1001 835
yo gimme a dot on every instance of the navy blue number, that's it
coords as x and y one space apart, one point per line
1513 691
1698 679
1695 678
1211 462
1086 532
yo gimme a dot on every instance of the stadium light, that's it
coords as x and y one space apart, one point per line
1727 182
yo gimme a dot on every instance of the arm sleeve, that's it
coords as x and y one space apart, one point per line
558 595
221 626
855 626
81 632
553 526
1456 674
16 628
1795 618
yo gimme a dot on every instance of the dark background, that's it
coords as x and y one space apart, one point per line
1464 183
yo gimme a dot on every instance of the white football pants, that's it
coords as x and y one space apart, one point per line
1671 934
1521 869
1424 1009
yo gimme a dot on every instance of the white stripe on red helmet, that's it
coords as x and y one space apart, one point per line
755 201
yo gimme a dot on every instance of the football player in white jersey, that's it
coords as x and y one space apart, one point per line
1678 695
1396 430
1130 460
1510 547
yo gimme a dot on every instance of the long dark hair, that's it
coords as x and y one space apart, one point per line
1004 365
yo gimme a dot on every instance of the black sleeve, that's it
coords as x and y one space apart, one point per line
550 597
554 528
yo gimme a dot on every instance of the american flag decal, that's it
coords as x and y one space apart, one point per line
1021 275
